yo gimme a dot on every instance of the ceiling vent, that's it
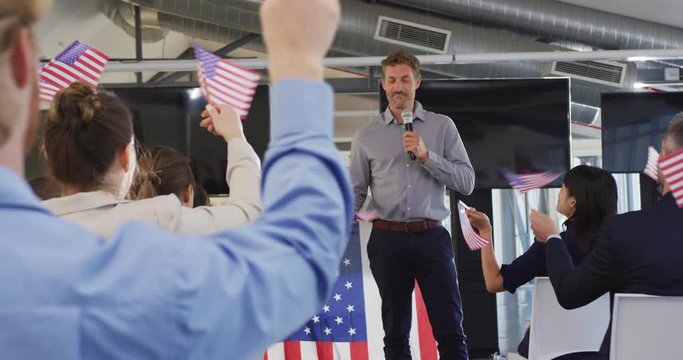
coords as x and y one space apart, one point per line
585 114
412 35
600 72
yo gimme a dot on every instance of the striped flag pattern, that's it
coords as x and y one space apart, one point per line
366 318
78 62
223 82
672 169
651 166
473 240
527 182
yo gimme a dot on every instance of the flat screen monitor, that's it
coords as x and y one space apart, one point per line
630 123
516 124
170 116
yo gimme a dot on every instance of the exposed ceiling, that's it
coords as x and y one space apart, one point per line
667 12
477 26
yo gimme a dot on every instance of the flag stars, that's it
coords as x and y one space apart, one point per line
328 331
352 331
337 297
338 320
348 285
347 261
307 330
326 308
316 319
350 308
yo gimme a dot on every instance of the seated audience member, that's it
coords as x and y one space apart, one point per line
587 197
90 150
144 292
201 198
45 188
637 252
162 171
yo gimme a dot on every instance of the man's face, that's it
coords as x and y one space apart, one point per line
400 83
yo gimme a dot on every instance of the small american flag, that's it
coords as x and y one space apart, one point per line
672 168
78 62
652 160
473 240
223 82
526 182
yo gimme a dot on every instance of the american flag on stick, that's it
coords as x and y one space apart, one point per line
473 240
652 160
78 62
526 182
223 82
672 169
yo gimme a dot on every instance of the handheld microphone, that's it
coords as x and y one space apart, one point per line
407 117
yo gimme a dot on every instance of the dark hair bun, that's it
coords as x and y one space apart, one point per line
76 104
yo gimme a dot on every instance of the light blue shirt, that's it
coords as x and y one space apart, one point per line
149 294
404 189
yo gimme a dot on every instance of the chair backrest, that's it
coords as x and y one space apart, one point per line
556 331
646 327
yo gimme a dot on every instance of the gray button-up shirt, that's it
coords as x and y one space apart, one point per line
404 189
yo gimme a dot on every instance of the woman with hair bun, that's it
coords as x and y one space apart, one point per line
91 151
163 170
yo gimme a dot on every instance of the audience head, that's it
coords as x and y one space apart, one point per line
89 141
587 197
45 188
201 198
162 171
19 116
673 140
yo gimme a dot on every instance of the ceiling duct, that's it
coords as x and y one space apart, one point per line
557 20
123 15
225 21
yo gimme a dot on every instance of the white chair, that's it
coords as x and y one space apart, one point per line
647 327
556 331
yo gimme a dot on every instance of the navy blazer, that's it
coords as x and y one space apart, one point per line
532 263
637 252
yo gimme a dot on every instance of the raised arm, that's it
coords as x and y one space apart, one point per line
243 175
489 265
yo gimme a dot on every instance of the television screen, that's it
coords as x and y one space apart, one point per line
516 124
170 116
630 123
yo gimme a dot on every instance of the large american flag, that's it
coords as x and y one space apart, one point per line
651 165
223 82
527 182
349 325
78 62
473 240
672 169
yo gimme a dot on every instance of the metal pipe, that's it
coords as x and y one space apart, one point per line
483 58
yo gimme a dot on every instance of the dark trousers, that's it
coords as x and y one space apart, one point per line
397 260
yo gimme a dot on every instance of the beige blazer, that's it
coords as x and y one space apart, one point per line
103 213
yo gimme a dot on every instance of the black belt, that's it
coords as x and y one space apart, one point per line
409 227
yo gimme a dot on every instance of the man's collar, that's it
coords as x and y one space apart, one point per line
388 117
